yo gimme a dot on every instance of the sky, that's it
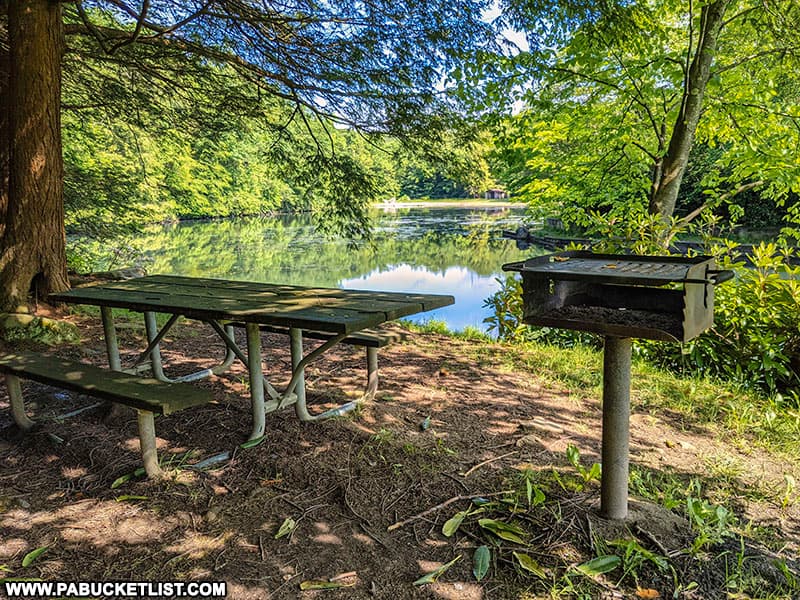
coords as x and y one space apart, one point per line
513 36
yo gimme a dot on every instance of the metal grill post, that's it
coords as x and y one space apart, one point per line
616 432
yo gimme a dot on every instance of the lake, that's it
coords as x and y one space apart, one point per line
455 251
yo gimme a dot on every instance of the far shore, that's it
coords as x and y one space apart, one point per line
452 203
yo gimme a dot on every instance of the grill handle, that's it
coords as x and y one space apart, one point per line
720 276
714 277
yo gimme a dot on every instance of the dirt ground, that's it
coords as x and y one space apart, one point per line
450 420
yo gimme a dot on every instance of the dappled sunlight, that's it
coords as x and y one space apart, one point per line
447 425
196 545
428 566
74 472
457 590
96 523
364 539
324 535
14 546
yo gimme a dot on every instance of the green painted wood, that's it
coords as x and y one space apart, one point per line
322 309
218 288
137 392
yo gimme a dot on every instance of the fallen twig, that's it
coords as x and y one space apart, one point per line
651 538
486 462
433 509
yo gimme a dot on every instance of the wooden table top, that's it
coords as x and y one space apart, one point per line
319 309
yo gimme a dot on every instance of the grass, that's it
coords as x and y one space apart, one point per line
437 326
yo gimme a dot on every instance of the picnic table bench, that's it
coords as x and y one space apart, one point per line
147 395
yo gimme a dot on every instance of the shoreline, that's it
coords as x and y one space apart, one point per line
463 203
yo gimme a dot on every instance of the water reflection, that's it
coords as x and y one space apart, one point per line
467 287
447 251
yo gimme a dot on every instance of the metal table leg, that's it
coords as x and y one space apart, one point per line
296 346
616 427
110 334
154 337
372 373
256 379
297 384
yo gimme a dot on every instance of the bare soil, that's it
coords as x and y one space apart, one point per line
451 420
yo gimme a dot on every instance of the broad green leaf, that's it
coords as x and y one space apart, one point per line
593 473
600 565
573 455
480 562
453 523
506 531
286 528
33 555
252 443
434 575
129 498
127 477
530 565
325 585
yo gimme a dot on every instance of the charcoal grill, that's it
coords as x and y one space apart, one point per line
667 298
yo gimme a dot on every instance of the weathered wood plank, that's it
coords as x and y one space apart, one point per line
219 288
324 319
138 392
323 309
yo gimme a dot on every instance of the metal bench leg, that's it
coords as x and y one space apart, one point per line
17 403
147 441
297 383
372 373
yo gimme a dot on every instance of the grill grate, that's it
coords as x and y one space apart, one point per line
610 268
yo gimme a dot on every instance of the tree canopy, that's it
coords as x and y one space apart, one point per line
616 96
374 67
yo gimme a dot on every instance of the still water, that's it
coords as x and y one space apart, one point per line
439 251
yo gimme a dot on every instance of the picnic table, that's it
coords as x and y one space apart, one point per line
333 314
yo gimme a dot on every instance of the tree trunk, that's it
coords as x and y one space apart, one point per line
33 244
664 192
5 109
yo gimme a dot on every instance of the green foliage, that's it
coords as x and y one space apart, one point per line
42 330
755 340
587 475
191 128
480 562
712 524
604 88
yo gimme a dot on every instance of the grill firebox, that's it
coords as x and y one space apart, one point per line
669 298
653 297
